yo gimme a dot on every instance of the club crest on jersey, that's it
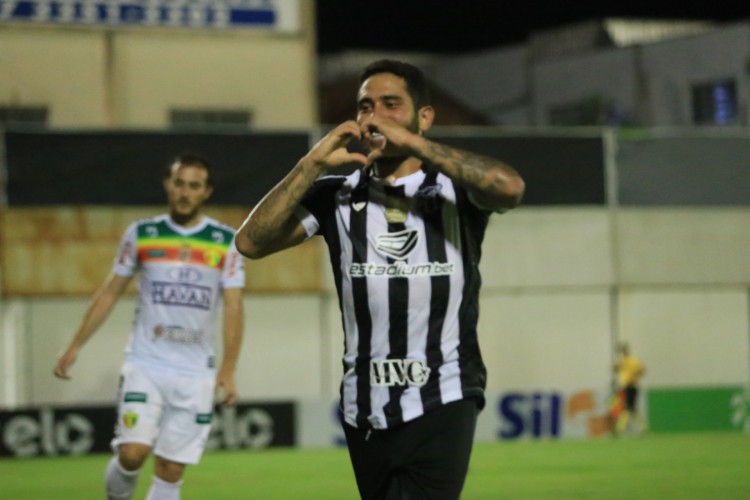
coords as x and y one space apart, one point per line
130 419
397 245
427 198
395 215
212 257
185 252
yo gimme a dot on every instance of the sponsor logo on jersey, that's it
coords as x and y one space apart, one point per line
178 334
125 253
391 372
397 245
217 237
130 419
181 294
203 418
400 269
232 265
135 397
184 274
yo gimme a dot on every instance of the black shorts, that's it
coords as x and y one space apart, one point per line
631 397
425 458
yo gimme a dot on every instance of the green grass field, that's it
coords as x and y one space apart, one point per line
712 466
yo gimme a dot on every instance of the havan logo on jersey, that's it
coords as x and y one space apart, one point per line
181 294
391 372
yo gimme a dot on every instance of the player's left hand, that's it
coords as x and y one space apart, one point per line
385 136
226 388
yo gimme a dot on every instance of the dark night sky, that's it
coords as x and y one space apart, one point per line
443 26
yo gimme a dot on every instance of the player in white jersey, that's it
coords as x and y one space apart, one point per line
404 235
188 268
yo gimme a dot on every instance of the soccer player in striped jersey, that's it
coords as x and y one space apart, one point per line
404 234
188 268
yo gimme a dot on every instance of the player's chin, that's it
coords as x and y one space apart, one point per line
184 209
391 152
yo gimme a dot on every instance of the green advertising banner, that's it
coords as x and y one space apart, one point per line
699 409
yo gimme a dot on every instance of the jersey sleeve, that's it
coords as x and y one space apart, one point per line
307 219
233 274
126 260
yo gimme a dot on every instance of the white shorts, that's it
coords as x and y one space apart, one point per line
166 410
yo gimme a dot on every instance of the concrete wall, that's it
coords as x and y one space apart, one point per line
132 77
64 70
560 285
493 82
607 75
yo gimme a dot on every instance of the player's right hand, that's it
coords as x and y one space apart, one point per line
64 362
330 152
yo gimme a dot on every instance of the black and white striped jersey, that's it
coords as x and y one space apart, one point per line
405 259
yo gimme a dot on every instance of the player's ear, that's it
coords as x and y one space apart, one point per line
425 117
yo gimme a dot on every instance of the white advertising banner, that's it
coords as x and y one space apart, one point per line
511 415
281 16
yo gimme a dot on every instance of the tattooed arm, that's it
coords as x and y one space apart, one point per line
272 225
492 184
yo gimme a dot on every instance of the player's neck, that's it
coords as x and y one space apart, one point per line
396 167
186 220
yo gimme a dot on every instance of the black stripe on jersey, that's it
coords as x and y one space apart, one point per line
325 213
358 229
432 214
473 222
398 318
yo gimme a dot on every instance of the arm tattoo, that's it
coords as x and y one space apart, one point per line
273 212
471 170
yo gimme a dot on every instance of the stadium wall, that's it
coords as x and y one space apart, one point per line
563 281
124 73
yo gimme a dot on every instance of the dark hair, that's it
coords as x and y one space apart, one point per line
416 83
192 160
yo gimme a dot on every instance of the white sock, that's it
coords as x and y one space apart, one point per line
163 490
120 483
